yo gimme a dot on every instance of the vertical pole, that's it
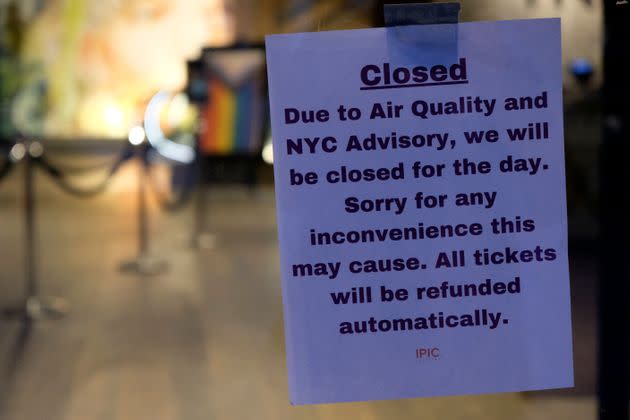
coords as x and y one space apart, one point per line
614 286
143 245
144 263
34 307
200 202
29 225
201 238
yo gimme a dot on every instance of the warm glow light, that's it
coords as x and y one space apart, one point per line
113 115
267 153
136 135
105 115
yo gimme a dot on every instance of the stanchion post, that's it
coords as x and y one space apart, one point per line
29 227
144 263
201 238
34 307
143 231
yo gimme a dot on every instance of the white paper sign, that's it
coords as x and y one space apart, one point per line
421 210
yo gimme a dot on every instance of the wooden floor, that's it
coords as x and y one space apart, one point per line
203 341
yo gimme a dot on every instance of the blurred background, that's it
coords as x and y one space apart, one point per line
139 270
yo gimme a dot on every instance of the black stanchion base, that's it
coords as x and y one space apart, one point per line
204 240
147 265
37 308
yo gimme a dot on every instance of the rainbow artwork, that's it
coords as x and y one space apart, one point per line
232 119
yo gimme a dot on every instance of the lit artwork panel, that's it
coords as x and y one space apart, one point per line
102 60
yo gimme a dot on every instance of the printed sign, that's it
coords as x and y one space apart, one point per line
421 210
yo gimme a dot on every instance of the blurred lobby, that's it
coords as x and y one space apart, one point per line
139 267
